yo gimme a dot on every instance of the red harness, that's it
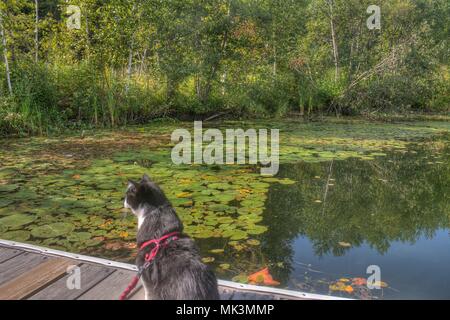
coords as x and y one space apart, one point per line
148 259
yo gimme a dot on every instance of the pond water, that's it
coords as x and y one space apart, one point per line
348 195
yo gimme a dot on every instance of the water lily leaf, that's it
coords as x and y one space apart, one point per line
208 259
79 236
92 242
217 250
241 278
52 230
224 266
17 220
286 181
253 242
255 230
252 203
18 235
219 186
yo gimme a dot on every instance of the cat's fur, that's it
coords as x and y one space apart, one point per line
177 272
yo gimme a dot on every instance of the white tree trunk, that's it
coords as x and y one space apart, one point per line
36 32
333 38
5 54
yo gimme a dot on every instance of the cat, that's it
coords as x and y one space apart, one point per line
176 272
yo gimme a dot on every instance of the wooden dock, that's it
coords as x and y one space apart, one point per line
36 273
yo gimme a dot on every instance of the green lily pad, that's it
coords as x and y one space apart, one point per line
16 220
208 259
254 229
235 234
241 278
18 235
217 251
79 236
224 266
253 242
219 186
52 230
91 242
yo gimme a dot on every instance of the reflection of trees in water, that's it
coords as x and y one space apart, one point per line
396 198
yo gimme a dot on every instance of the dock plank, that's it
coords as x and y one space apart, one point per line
91 275
34 279
138 293
111 287
6 254
18 265
37 273
226 294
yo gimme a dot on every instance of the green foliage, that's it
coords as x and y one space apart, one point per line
134 61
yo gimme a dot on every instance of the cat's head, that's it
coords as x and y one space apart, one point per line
144 193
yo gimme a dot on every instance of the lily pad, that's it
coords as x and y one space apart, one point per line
79 236
217 251
253 242
208 259
254 229
52 230
16 220
18 235
224 266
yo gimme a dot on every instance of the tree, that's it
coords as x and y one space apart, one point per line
5 53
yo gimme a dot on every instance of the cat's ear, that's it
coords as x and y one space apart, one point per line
132 185
146 178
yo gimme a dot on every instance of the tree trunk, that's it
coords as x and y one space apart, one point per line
131 52
130 64
5 54
333 38
36 32
274 66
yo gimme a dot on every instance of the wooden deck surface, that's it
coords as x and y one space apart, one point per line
31 274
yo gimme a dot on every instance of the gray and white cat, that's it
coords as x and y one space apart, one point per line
176 272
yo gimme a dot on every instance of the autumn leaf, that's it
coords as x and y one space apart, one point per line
359 281
262 277
114 246
348 289
380 284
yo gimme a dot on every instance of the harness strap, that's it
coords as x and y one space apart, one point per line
148 259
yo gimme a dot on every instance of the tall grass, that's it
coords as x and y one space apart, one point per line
48 98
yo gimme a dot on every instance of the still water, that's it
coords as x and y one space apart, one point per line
392 212
347 196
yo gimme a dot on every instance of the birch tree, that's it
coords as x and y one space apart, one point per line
5 53
36 31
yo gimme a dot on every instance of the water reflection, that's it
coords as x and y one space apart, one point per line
393 212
